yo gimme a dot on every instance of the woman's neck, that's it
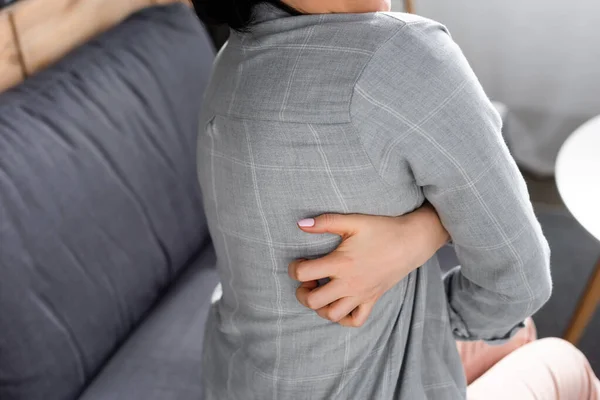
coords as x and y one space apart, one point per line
336 6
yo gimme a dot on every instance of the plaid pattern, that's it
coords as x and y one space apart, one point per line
372 114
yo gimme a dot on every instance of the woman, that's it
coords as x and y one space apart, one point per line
335 106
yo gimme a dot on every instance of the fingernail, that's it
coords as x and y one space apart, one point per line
306 223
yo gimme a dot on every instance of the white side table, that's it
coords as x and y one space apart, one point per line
578 181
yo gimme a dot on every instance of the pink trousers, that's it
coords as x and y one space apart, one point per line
528 369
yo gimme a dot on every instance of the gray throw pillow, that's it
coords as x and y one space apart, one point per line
99 202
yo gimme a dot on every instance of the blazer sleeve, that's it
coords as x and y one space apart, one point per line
437 121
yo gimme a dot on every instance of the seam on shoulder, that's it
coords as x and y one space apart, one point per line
355 129
367 64
379 48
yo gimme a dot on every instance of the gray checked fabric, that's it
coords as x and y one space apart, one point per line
357 113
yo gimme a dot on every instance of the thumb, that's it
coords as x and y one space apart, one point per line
339 224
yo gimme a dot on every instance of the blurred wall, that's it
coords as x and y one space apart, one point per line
540 57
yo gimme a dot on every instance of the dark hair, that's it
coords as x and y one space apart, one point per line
237 14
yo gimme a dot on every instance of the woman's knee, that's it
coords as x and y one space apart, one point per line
566 366
547 368
557 348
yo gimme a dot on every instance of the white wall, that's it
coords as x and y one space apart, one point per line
540 57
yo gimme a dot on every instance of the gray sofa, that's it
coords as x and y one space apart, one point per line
106 267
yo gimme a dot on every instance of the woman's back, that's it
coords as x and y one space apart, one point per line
291 132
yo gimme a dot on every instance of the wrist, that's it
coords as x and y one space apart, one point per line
428 224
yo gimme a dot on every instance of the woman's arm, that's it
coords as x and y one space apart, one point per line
376 253
439 126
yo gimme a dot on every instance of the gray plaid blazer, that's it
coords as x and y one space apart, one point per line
357 113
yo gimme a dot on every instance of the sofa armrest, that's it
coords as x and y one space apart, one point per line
37 33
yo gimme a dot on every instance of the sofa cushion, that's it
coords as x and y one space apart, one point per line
162 359
99 202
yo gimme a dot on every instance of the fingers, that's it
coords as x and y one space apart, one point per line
344 225
359 316
310 270
339 309
311 285
343 310
320 297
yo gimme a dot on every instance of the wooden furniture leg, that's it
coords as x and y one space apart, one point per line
409 6
585 309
